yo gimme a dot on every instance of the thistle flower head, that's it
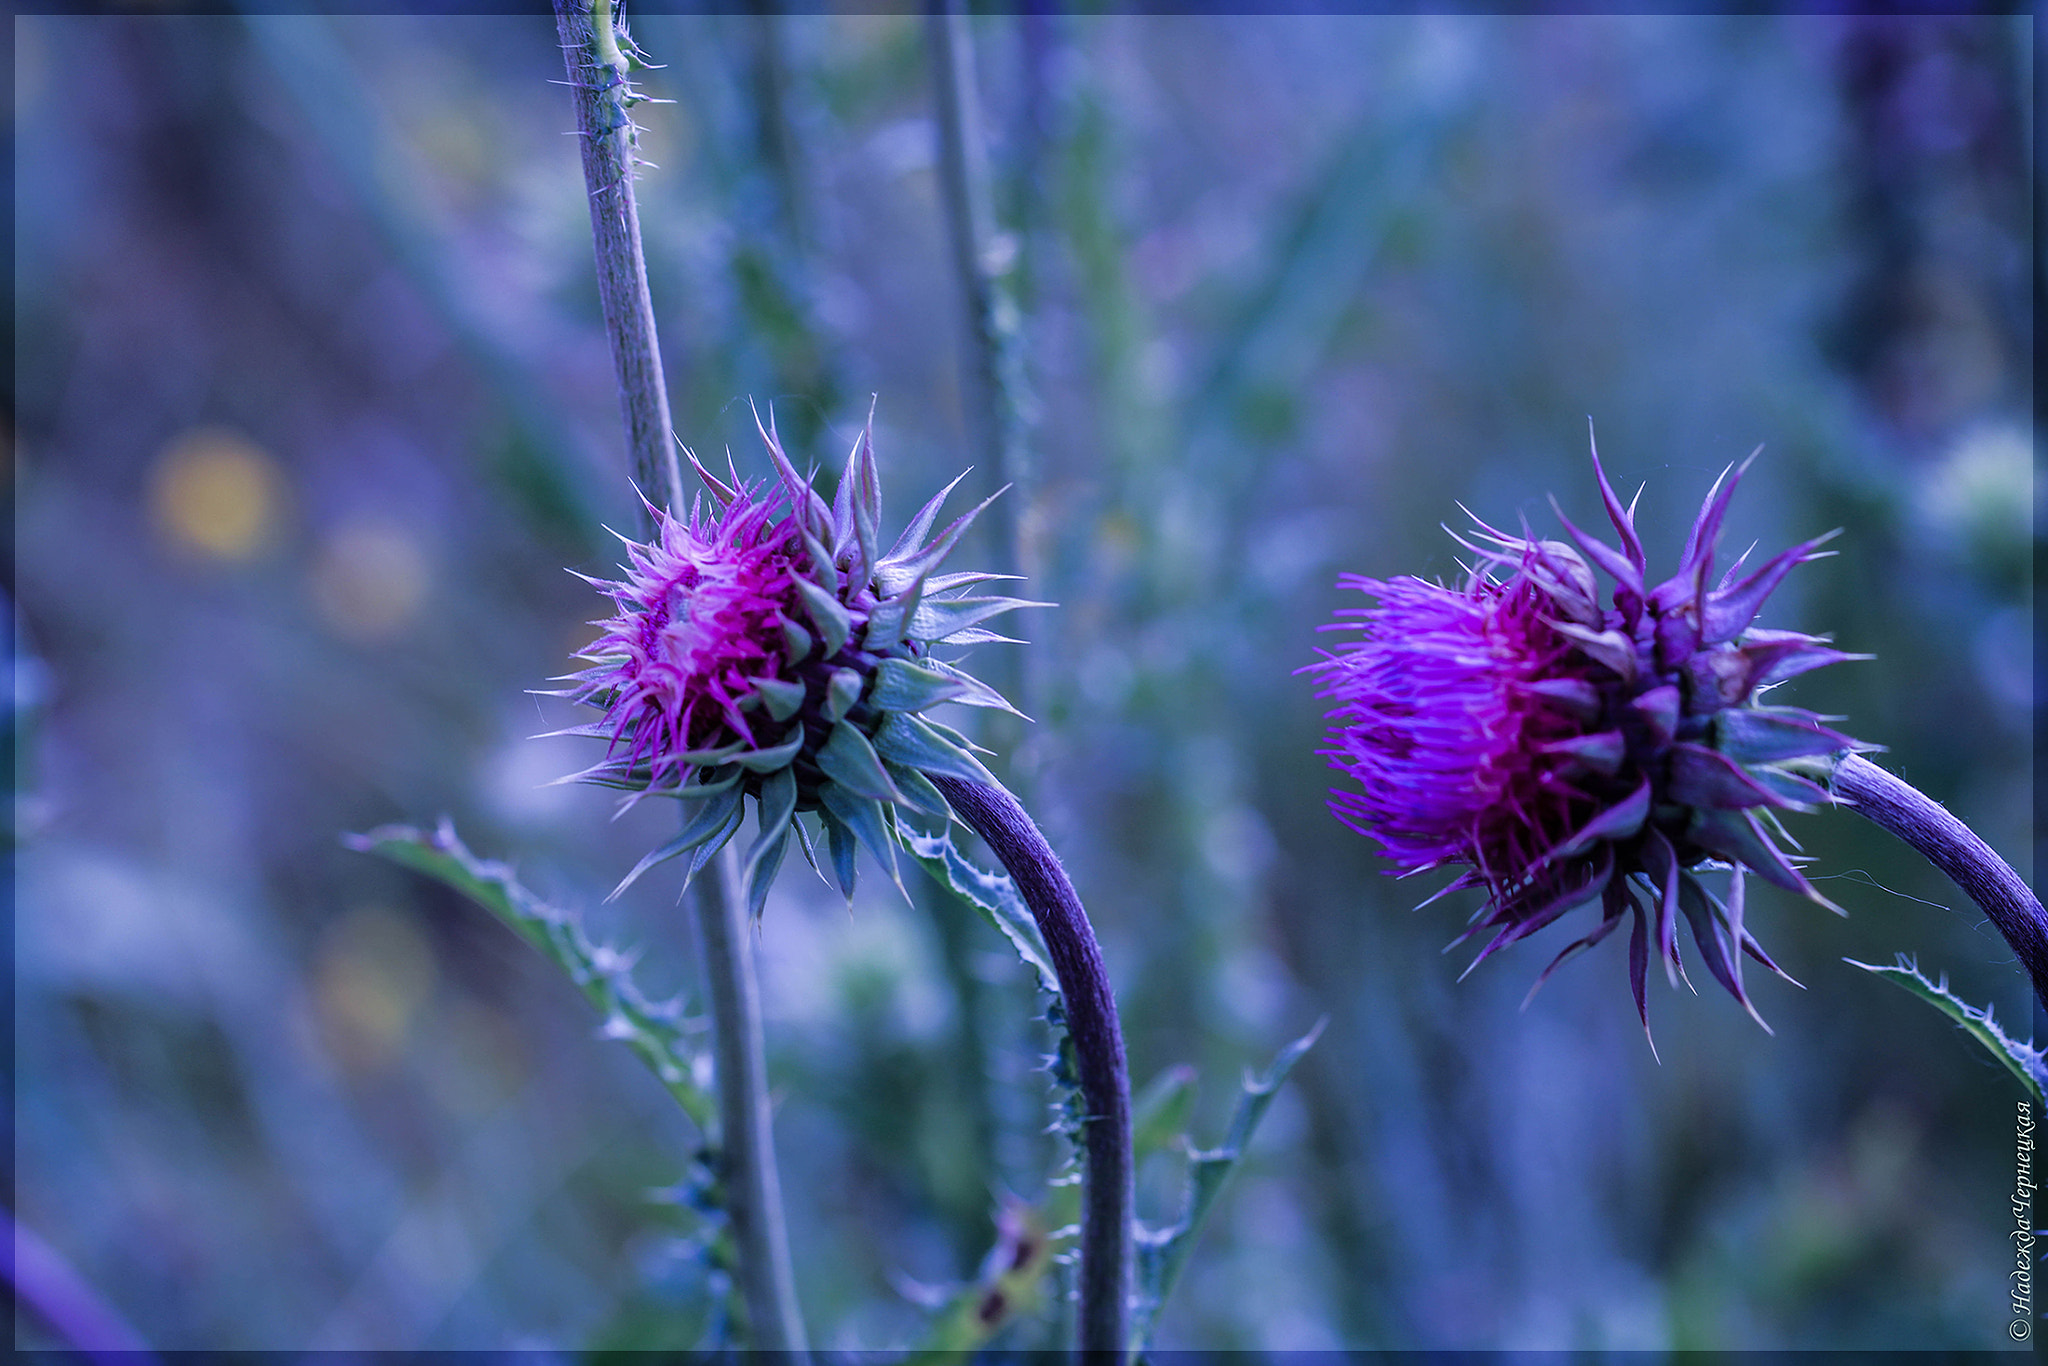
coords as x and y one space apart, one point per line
1568 754
766 646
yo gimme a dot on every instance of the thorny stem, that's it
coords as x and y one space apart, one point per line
597 73
1951 846
1007 829
604 121
746 1147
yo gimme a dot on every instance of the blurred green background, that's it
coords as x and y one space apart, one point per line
313 407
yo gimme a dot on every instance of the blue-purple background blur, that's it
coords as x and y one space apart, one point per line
313 409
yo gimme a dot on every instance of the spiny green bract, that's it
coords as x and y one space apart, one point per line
767 647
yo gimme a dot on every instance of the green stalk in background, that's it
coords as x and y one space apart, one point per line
985 262
981 259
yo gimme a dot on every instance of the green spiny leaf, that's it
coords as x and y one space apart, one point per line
657 1031
995 898
867 500
842 506
886 621
777 802
1752 735
1788 786
1070 1107
993 895
709 782
623 773
917 564
823 565
966 578
804 843
1163 1253
2023 1060
1159 1113
979 635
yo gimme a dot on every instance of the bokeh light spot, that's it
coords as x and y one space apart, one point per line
217 494
374 973
369 579
1979 496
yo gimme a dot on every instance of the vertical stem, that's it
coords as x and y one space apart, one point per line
773 136
970 225
1954 848
995 382
597 74
1009 832
771 217
995 423
753 1192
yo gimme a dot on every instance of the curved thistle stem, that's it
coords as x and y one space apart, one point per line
603 96
746 1148
1009 832
1951 846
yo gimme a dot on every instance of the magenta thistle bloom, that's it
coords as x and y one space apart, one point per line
1568 754
766 647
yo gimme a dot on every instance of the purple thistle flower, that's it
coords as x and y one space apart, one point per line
1568 754
765 646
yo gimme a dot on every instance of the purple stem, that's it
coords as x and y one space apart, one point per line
1003 825
45 1284
1951 846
